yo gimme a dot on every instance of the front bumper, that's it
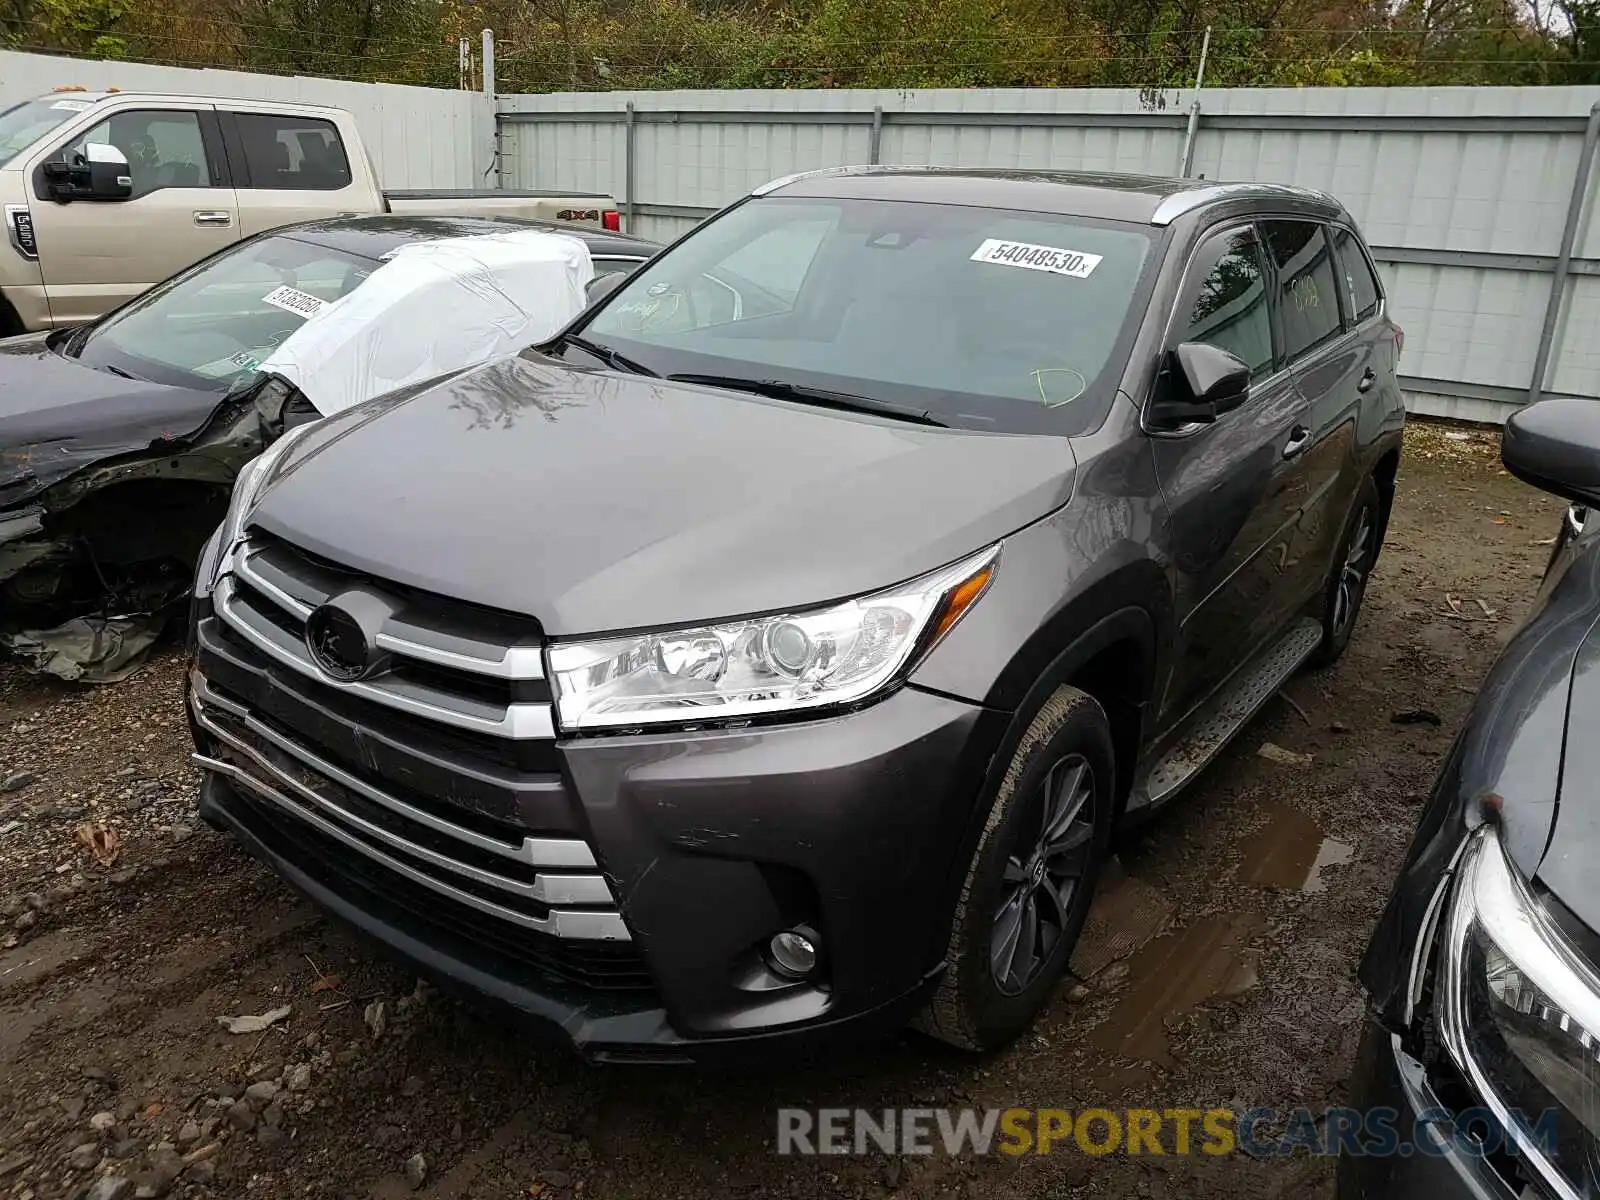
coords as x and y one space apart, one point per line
710 842
1422 1163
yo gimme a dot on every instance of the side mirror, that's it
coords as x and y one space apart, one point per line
99 173
602 286
1203 382
1555 446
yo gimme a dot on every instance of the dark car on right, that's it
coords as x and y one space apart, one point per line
1483 1048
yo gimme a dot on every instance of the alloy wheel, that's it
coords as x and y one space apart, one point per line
1041 876
1353 574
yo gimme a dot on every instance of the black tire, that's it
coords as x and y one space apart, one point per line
974 1008
1346 586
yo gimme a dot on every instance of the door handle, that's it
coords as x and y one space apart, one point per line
1368 378
214 218
1299 439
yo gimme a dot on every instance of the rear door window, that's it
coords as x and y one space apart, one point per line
1225 302
285 153
1362 290
1308 298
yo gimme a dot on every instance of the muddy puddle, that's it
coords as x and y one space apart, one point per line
1290 852
1172 972
1172 976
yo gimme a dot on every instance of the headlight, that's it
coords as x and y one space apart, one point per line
1520 1015
247 488
782 663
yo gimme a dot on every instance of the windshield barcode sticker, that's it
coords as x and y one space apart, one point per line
1037 258
301 304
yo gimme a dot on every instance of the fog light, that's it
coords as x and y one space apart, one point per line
795 952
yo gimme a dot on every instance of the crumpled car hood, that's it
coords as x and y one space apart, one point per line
596 501
58 416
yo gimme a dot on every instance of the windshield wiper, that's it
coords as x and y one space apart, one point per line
121 372
800 393
612 358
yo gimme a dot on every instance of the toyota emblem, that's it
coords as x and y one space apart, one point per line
337 644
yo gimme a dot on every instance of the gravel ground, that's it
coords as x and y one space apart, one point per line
1218 969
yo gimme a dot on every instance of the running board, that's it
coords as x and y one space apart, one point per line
1225 714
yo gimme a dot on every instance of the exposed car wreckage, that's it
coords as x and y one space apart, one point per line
111 483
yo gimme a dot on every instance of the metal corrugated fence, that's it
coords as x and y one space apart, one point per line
1464 193
419 137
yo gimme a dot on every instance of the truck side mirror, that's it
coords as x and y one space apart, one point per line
1200 383
99 173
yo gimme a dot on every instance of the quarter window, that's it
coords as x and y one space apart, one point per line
1361 282
1308 301
1227 306
299 154
163 148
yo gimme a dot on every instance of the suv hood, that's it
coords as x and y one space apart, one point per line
58 416
595 501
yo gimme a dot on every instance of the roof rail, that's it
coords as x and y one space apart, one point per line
1174 206
783 181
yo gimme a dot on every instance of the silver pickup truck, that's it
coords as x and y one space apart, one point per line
107 193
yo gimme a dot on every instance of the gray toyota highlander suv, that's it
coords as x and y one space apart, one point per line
773 654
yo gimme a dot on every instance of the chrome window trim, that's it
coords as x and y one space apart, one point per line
783 181
1175 206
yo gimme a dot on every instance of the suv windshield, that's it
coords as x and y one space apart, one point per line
217 321
24 124
984 318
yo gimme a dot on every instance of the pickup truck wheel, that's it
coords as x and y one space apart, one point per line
1031 879
1347 581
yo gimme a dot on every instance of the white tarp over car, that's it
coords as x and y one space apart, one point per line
434 307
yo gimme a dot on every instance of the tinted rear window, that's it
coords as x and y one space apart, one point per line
1307 299
293 153
1361 284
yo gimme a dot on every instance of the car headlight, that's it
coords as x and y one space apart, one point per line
247 488
1520 1015
774 664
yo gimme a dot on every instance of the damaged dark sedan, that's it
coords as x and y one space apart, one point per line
120 440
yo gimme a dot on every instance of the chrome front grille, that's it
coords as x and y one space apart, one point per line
466 673
526 881
449 666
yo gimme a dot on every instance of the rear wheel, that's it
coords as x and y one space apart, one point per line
1346 587
1031 879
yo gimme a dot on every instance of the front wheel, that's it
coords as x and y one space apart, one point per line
1031 879
1346 586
